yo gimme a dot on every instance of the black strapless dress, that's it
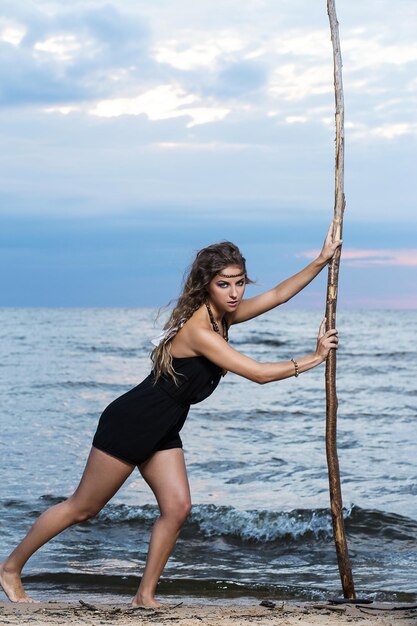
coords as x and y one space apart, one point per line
150 416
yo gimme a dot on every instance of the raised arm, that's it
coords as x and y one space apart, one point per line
252 307
218 351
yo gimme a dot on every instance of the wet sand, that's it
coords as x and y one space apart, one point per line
282 613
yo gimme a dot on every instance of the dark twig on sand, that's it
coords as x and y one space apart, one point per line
409 607
89 607
329 607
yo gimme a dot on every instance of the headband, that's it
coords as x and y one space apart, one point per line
232 275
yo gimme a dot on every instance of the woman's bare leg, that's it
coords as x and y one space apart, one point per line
166 475
102 477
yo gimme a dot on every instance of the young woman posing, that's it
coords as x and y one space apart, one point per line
141 428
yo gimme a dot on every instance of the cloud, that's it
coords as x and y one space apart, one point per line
303 42
191 50
63 110
391 131
213 146
26 82
135 104
11 32
65 56
364 52
296 81
366 257
103 56
162 102
296 119
60 47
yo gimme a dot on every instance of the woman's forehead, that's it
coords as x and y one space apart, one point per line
232 271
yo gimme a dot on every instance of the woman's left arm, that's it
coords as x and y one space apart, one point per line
252 307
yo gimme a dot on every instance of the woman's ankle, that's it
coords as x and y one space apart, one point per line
145 597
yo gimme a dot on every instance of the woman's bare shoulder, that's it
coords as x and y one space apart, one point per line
186 340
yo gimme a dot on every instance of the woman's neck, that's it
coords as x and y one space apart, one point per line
218 316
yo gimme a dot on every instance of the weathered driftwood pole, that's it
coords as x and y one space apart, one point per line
331 302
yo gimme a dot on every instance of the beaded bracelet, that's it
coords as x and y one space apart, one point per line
297 369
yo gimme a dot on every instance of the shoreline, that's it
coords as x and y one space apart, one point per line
290 613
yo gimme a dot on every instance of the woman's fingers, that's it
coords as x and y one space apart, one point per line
328 339
330 244
322 328
331 339
328 333
332 331
329 233
329 239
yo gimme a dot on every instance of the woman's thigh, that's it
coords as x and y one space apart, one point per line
102 478
166 474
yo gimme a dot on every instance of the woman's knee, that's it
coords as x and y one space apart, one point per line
186 509
177 510
81 511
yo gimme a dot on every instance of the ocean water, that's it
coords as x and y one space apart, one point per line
255 455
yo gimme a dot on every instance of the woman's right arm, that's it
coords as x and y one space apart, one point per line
218 351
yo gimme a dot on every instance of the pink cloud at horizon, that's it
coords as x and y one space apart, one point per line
368 302
406 257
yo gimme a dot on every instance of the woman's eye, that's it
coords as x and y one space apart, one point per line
222 285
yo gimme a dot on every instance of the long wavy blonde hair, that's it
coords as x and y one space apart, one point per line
207 263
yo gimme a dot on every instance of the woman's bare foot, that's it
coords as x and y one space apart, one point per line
145 602
12 586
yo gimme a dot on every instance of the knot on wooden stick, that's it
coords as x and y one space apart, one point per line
337 228
332 292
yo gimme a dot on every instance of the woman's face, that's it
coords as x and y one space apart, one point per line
225 292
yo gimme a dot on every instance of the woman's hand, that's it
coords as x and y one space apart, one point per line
326 341
329 246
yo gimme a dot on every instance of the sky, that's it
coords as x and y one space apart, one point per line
134 133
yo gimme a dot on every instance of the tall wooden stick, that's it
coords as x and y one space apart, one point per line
331 302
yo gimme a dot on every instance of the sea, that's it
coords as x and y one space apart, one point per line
260 524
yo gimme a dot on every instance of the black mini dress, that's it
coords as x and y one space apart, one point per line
150 416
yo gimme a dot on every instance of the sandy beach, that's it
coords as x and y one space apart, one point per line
285 613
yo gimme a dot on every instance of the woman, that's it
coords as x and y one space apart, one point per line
141 428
